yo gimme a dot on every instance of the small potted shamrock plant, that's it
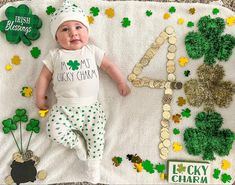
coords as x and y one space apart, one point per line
23 165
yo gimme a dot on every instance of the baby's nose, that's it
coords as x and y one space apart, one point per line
73 32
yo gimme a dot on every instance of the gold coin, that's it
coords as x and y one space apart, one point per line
160 145
170 56
166 107
172 40
9 180
137 70
164 35
150 52
42 175
167 143
171 77
151 84
172 48
165 135
164 129
164 151
159 41
168 85
170 63
170 69
168 91
144 61
166 115
131 77
170 30
164 123
164 157
138 83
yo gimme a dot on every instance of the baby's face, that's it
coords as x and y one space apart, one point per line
72 35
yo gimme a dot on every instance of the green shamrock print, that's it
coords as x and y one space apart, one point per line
74 65
181 168
209 41
94 11
50 10
126 22
33 126
35 52
186 113
21 25
8 125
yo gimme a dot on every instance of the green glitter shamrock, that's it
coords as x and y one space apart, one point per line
216 173
160 168
50 10
209 42
215 11
148 166
207 139
190 24
186 113
186 73
226 178
176 131
21 25
172 9
73 65
94 11
117 161
181 168
149 13
35 52
126 22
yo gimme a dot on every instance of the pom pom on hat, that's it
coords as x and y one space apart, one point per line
67 12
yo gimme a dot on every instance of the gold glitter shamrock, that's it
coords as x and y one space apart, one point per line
209 89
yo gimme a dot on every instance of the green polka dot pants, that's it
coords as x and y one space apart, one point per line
89 120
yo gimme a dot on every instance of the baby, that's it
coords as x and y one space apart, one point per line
73 70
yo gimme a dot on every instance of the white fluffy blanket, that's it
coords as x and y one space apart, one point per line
133 125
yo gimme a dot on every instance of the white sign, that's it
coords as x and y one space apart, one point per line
182 172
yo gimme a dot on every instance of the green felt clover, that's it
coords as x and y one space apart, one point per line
50 10
209 41
33 126
74 65
126 22
20 116
208 139
21 25
94 11
8 125
35 52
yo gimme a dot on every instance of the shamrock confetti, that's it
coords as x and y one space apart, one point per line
177 147
186 73
225 164
35 52
226 178
117 161
26 91
176 131
215 11
148 166
26 25
160 168
8 67
176 118
148 13
192 11
181 101
216 173
230 20
180 21
172 9
186 113
15 60
110 12
50 10
181 168
166 16
126 22
73 65
183 61
190 24
94 11
138 167
90 19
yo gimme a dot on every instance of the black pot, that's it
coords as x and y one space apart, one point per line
23 172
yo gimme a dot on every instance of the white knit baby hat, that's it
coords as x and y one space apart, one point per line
67 12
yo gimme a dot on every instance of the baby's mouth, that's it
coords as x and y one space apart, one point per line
75 41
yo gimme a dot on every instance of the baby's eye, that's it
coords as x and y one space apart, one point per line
78 27
65 29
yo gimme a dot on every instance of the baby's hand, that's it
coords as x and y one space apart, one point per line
123 89
41 103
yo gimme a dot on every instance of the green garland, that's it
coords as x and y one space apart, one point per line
207 139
